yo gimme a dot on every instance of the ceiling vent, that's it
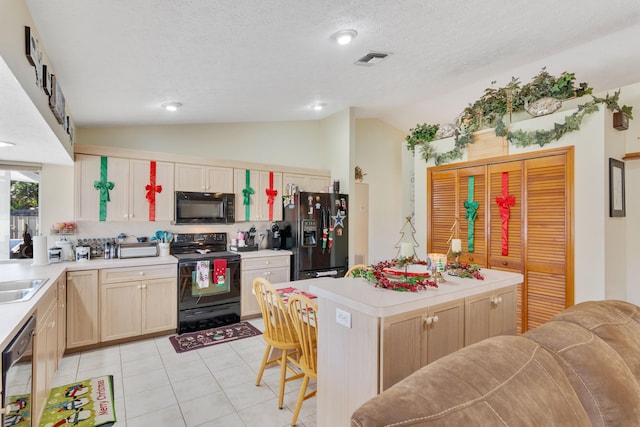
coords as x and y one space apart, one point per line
371 58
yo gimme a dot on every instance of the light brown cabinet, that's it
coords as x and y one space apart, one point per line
137 300
309 183
259 181
127 198
82 308
62 316
536 238
490 314
198 178
411 340
45 350
276 269
140 184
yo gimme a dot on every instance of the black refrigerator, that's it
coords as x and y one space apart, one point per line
319 234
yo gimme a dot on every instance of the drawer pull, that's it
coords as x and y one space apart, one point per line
505 262
470 258
141 273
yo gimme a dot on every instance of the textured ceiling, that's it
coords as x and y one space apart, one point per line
269 60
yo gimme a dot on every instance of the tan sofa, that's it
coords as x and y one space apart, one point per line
582 368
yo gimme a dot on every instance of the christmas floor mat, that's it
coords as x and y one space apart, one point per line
208 337
87 403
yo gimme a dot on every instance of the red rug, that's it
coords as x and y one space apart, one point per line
209 337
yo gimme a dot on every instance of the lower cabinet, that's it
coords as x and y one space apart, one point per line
130 306
276 269
45 350
490 314
411 340
62 316
82 308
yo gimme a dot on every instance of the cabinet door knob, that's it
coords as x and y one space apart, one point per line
435 319
499 299
141 273
505 262
267 262
428 320
470 258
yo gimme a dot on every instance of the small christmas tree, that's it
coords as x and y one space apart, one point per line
407 248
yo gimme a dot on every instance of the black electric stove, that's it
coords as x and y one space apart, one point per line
208 281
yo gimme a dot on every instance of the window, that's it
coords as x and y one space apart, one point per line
19 216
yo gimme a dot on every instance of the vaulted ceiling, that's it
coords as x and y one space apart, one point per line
117 61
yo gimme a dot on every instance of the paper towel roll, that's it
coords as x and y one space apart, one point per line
40 256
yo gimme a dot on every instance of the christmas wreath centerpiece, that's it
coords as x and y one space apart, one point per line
464 270
388 275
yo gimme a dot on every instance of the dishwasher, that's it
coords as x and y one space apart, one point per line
16 377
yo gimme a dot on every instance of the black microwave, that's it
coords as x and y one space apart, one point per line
204 208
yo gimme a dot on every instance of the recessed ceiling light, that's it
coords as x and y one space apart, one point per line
344 36
6 144
171 106
319 106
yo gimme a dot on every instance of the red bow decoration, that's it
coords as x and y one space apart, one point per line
271 195
152 189
505 202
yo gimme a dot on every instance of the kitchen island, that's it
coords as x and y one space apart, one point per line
371 337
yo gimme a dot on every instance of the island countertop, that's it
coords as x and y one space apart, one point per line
359 294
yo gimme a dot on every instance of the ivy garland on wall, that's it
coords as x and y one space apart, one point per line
495 104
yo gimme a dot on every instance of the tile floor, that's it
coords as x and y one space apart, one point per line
157 387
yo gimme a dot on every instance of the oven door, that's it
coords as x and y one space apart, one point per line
208 282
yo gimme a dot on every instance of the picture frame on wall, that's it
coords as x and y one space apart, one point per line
616 188
46 80
28 49
56 100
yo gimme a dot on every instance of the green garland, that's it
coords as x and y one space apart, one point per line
495 103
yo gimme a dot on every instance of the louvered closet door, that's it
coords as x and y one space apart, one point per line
441 188
512 261
547 255
477 241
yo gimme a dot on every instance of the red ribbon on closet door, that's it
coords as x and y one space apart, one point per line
271 195
152 189
505 202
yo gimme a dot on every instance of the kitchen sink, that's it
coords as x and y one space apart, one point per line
19 290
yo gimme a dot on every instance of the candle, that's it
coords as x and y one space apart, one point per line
406 249
456 245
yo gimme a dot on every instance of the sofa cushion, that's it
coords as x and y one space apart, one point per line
601 377
506 380
616 322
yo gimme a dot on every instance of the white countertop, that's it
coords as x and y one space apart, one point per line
13 315
358 294
264 253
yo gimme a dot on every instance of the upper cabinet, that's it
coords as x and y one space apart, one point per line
264 195
309 183
151 193
116 189
203 178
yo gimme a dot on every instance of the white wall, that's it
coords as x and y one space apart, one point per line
379 154
295 143
604 256
14 16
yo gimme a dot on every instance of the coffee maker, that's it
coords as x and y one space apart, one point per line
273 237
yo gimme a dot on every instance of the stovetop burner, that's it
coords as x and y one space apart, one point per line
188 246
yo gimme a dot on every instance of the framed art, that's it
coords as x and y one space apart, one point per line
616 188
56 100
